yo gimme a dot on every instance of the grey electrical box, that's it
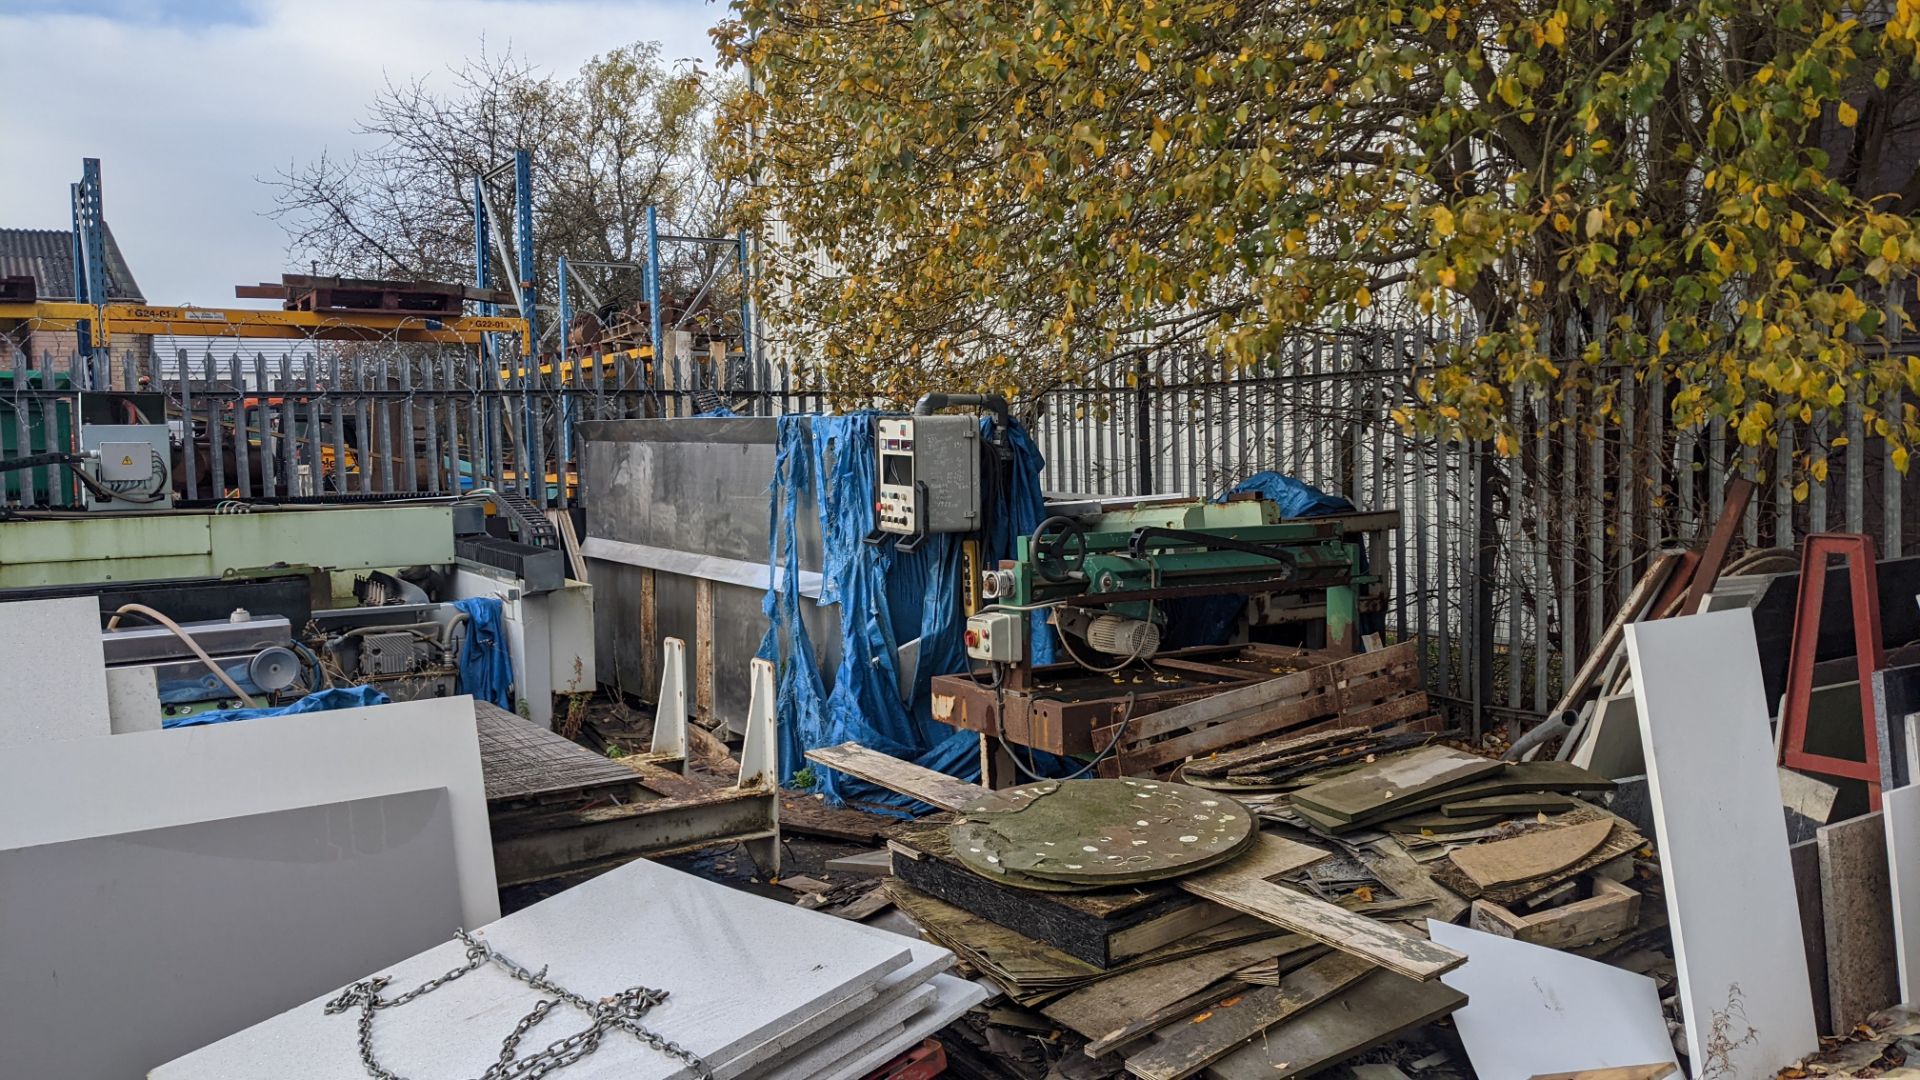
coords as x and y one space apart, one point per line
135 462
126 462
928 473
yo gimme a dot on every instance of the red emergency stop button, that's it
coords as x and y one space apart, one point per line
973 638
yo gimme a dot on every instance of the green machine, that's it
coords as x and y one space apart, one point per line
1105 577
1123 586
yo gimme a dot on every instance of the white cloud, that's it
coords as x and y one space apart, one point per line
184 116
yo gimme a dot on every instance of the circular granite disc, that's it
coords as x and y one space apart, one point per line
1095 833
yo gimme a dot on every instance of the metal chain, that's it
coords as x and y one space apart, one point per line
622 1010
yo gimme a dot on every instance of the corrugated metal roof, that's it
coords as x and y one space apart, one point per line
46 256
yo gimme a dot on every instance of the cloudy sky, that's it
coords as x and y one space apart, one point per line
187 102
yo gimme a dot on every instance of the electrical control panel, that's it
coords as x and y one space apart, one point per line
997 636
928 475
133 466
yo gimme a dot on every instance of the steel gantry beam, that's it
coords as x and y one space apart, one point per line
105 320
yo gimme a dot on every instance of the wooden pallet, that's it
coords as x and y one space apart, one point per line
1355 691
307 292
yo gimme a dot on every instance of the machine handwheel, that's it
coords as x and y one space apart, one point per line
1059 548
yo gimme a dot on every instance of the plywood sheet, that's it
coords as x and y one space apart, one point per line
1379 1007
1186 1046
54 670
1531 854
1531 1009
118 953
1244 886
1730 898
738 969
1108 1005
1392 780
206 773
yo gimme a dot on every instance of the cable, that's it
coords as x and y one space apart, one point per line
101 491
325 681
142 609
1118 734
1066 641
34 461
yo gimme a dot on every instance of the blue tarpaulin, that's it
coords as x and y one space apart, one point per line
1295 498
486 668
349 697
886 597
1210 619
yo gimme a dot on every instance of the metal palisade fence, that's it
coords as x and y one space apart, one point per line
1507 568
328 419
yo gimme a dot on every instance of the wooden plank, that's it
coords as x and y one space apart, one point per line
1558 776
1109 1011
1269 750
1323 702
703 649
1184 1048
1403 874
1643 591
569 542
1530 855
1394 782
937 790
1658 1071
1523 803
805 814
649 635
1240 885
1622 840
1613 910
1372 1011
1338 705
1233 704
1145 1024
1171 927
1707 573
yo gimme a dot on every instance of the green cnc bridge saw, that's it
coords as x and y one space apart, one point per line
1113 580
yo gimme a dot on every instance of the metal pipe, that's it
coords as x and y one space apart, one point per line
993 403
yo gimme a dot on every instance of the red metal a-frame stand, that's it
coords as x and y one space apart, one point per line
1864 581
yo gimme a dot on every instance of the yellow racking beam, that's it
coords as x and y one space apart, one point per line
583 365
253 323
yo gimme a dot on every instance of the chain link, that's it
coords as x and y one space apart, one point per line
623 1010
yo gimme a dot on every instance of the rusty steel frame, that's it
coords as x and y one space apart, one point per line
1869 656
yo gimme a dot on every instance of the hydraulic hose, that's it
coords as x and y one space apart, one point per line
142 609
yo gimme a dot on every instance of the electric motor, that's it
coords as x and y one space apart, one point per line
1121 636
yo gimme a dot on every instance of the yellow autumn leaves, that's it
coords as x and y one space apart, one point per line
1580 195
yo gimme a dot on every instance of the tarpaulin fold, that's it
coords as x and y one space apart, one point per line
339 697
886 597
1294 498
486 667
